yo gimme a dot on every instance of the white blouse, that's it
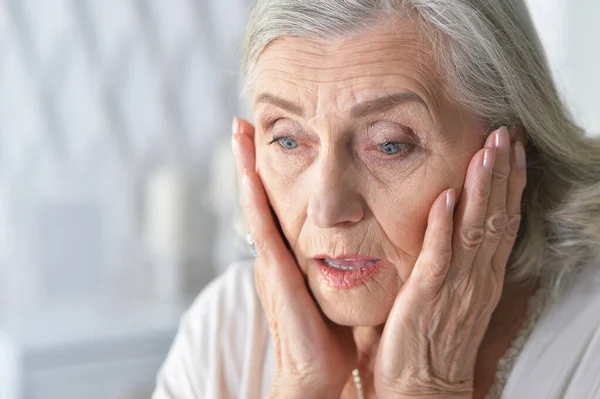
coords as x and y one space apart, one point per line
223 348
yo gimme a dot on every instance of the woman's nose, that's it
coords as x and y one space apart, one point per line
334 200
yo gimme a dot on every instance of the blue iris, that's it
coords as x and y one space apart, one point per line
390 148
288 143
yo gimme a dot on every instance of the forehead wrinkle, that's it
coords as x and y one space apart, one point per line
319 53
336 89
328 69
325 66
316 62
385 32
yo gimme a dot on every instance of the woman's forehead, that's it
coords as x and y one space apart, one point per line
346 71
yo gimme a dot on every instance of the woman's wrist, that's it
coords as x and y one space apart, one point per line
301 393
297 394
287 390
425 394
437 396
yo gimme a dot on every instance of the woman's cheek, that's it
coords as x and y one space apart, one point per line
402 204
287 196
405 220
282 179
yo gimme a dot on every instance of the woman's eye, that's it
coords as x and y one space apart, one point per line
392 148
287 143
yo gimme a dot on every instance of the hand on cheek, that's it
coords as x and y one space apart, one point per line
313 357
430 341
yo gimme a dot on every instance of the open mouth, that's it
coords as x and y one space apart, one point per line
349 263
348 271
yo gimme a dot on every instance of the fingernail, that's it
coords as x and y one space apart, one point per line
235 125
450 199
502 139
519 152
489 158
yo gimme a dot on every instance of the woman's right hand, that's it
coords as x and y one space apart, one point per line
314 358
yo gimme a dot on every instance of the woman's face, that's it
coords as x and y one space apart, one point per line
355 139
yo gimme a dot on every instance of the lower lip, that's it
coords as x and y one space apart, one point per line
347 279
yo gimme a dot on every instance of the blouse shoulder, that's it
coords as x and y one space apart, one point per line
207 355
561 359
228 291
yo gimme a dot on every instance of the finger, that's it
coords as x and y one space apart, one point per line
291 312
242 143
281 288
496 216
260 219
435 257
265 234
516 184
243 148
472 209
245 127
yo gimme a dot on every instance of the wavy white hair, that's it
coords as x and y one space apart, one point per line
495 67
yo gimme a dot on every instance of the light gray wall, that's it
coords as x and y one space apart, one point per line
570 30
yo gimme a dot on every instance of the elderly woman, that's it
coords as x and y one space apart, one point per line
425 215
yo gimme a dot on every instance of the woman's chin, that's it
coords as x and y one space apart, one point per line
355 316
367 303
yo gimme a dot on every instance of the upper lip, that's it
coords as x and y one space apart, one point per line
346 257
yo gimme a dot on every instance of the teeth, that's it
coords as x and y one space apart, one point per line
334 265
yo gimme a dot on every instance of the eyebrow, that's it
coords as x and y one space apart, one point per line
380 104
280 103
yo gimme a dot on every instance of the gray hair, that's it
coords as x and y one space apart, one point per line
495 68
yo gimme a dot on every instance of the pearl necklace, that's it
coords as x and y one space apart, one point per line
358 384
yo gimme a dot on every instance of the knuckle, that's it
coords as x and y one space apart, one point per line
471 237
513 226
438 267
434 269
263 234
501 175
496 225
481 192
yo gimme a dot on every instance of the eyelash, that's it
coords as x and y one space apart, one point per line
276 139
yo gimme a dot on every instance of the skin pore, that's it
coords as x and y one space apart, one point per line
355 139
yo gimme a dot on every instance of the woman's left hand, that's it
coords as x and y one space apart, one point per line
431 338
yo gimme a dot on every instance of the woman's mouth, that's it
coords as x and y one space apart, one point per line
349 263
347 271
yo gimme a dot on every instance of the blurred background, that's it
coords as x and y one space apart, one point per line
117 185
